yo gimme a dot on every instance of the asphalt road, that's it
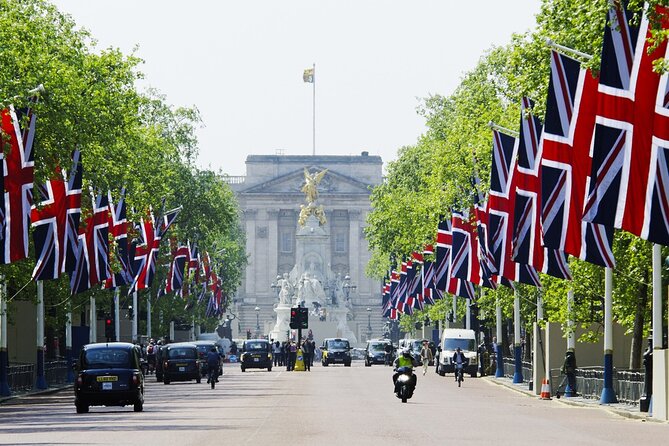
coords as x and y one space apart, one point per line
328 406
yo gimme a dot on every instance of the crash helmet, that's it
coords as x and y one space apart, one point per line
406 351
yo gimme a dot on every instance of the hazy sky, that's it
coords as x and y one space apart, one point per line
241 62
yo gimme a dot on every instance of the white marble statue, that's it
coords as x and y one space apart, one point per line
286 293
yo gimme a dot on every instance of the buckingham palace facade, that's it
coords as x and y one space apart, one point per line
270 197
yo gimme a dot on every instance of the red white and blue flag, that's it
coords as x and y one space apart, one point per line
429 293
92 266
565 164
630 148
146 255
501 203
175 277
19 167
118 228
55 221
527 240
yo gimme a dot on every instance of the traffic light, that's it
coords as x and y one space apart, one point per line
294 318
303 321
110 331
299 317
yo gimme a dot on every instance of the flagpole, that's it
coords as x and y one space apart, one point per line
40 377
4 355
313 114
117 313
135 310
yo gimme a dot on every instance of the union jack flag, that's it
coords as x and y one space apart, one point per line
175 277
527 242
487 267
630 162
146 255
402 304
92 265
394 293
386 303
501 203
449 283
565 165
118 228
428 275
415 282
19 168
464 251
55 219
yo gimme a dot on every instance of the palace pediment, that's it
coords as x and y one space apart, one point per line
291 183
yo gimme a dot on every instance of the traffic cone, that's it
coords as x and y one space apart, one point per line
299 362
545 390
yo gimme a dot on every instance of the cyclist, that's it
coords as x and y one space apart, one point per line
459 362
213 362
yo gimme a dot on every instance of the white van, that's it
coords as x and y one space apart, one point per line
451 339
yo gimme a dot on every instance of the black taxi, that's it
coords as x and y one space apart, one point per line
180 363
256 354
109 374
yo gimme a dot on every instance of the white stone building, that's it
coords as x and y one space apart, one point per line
270 199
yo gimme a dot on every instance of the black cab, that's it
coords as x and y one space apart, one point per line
256 354
109 374
180 363
336 351
375 352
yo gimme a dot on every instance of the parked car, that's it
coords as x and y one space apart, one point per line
109 374
451 339
336 351
256 354
203 347
375 352
180 363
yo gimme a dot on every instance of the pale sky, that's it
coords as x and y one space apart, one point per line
241 62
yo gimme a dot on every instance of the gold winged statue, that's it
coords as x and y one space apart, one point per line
311 181
310 189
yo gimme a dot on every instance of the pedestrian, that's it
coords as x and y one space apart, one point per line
313 351
291 351
306 354
276 352
426 356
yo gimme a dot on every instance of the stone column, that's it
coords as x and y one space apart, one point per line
354 250
272 248
250 223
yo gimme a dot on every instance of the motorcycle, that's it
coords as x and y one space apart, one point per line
405 383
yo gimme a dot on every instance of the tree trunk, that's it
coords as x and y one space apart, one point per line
639 319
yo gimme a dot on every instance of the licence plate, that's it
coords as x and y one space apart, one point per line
256 359
182 369
102 379
106 386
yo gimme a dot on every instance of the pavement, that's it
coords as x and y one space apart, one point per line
29 394
622 409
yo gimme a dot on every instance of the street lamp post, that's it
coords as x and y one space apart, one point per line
257 322
369 323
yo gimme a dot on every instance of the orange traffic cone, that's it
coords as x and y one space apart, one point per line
545 390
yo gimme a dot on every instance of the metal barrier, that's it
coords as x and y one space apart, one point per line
510 369
627 384
21 377
55 372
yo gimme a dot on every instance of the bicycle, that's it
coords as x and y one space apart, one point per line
212 376
459 373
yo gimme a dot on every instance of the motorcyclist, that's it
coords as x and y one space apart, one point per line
406 359
459 362
213 362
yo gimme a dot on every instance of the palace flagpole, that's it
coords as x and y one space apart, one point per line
309 76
